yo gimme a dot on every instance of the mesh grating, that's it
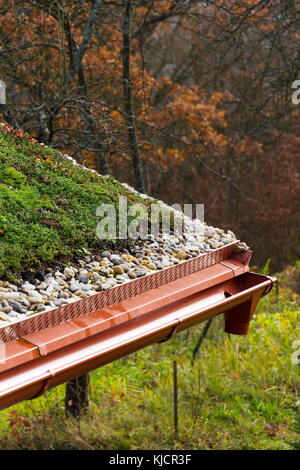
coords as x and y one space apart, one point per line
116 294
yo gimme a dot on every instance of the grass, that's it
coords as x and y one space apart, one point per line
47 205
242 393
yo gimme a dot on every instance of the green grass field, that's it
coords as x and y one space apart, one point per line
241 393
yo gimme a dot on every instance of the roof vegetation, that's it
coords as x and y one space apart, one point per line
47 204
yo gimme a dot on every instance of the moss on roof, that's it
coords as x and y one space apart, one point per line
47 204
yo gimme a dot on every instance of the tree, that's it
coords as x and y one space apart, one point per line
188 101
128 104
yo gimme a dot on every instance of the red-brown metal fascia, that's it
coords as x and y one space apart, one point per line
237 297
51 339
16 353
119 293
66 333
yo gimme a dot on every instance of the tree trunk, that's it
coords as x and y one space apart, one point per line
77 400
128 104
102 164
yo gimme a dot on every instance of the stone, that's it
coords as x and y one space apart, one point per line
29 286
83 279
41 308
140 272
105 263
181 254
74 287
118 270
132 274
128 258
59 302
165 261
13 314
123 277
10 295
152 266
115 257
105 286
79 293
69 273
158 265
35 298
213 244
7 309
84 287
4 317
16 306
63 295
104 271
42 286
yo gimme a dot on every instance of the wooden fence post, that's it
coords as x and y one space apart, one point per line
77 396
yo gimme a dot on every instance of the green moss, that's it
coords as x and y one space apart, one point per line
9 175
47 205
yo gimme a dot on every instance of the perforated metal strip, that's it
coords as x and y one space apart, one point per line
116 294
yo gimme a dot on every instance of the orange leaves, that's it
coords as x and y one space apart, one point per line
192 111
90 160
167 157
247 147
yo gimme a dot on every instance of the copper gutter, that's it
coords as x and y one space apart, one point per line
45 358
